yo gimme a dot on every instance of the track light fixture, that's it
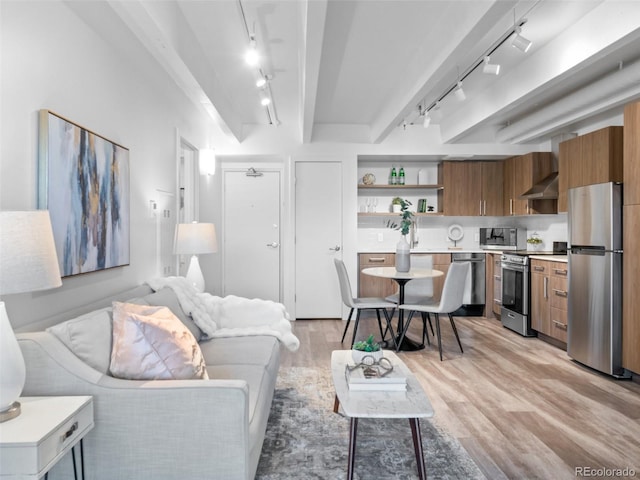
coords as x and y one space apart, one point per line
520 42
459 92
490 68
251 57
427 120
263 80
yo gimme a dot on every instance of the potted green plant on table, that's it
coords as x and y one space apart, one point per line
403 258
365 348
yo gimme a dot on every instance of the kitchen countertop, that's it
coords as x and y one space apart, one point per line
551 258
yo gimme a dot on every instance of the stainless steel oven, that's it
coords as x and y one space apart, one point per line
516 294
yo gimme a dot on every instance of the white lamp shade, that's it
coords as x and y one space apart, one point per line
28 260
195 238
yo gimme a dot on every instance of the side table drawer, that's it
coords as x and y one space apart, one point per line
45 431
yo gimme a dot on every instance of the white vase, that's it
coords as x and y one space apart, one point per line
403 255
396 208
358 355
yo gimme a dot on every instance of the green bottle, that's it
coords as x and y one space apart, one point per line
394 177
401 178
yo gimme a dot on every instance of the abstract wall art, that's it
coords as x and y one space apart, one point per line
83 180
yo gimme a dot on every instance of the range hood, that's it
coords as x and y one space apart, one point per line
547 188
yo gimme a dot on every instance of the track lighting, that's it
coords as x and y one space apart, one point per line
427 120
459 92
490 68
251 57
520 42
264 100
261 82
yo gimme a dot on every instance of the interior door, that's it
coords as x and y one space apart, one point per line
251 234
318 239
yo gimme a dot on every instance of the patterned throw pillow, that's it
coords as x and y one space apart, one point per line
151 343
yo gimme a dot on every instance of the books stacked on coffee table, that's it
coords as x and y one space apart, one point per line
379 376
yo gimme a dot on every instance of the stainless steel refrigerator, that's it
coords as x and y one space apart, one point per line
595 277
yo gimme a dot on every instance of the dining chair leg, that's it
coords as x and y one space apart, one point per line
425 333
380 324
393 311
355 328
404 332
438 335
430 324
389 328
455 330
347 325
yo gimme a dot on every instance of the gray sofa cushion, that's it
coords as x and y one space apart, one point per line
168 298
88 337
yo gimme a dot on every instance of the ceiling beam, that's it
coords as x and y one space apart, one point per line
595 36
436 69
159 43
314 18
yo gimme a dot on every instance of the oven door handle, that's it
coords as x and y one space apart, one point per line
515 268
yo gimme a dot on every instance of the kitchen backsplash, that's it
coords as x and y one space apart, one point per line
432 232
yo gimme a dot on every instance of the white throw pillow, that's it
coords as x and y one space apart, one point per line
151 343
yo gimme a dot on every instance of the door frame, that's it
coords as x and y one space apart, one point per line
265 164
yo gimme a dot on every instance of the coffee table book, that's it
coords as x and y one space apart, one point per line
391 381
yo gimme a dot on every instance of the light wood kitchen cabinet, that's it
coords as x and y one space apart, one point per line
441 261
631 154
549 297
472 188
559 301
631 287
520 174
568 154
540 303
493 285
592 158
369 286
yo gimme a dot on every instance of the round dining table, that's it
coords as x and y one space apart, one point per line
402 278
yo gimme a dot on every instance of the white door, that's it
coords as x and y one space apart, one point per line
318 239
251 234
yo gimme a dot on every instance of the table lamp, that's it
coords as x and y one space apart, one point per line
195 239
28 262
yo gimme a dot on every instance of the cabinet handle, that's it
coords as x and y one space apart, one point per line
497 277
559 271
499 302
538 268
560 293
69 432
376 260
546 284
511 206
480 207
560 325
484 212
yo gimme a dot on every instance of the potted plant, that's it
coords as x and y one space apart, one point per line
365 348
535 241
403 258
396 205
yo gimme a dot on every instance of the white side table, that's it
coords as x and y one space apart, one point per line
47 428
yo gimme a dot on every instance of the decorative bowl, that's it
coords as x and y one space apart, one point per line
359 355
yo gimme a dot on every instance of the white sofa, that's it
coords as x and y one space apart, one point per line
164 429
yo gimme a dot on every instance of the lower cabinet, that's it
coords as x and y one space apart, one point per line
369 286
549 298
493 283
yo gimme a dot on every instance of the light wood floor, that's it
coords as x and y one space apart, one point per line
519 406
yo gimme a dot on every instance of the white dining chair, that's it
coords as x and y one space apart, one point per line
359 304
450 301
418 291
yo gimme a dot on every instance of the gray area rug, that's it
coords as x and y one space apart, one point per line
306 440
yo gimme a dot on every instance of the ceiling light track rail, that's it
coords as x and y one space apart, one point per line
263 82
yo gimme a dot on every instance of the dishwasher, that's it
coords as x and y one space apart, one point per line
474 291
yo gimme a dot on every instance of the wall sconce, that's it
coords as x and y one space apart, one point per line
207 161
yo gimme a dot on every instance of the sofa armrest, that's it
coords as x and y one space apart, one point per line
146 429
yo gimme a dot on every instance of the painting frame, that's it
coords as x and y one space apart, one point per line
84 182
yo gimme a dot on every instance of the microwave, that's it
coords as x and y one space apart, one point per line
503 238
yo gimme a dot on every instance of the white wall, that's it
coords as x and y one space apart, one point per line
51 60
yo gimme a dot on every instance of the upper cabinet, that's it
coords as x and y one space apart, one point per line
631 155
472 188
520 174
592 158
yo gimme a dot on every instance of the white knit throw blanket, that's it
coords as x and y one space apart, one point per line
231 316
